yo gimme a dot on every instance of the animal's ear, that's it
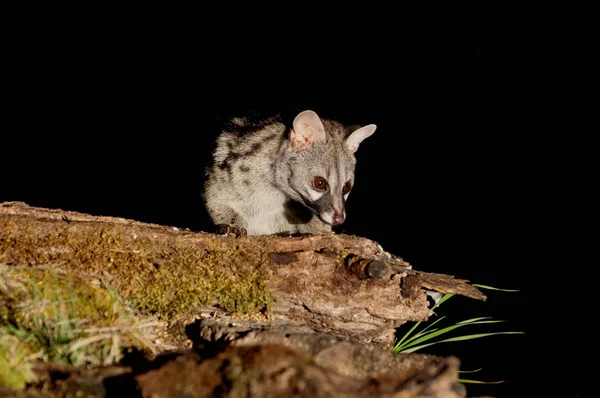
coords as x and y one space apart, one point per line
307 129
354 140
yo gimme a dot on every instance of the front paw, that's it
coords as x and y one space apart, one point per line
234 230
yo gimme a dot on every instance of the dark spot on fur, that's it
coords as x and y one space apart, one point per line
231 157
271 137
297 213
244 169
246 182
255 147
249 124
225 166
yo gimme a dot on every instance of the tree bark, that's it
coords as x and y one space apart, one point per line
310 300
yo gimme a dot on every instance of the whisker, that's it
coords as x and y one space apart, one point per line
312 209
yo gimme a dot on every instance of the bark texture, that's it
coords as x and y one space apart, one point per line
267 315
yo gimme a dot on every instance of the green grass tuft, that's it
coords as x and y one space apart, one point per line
413 341
47 314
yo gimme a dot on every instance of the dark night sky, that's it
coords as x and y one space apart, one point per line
455 180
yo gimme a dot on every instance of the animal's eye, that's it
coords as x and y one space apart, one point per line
320 183
347 187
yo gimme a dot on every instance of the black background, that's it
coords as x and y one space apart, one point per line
468 173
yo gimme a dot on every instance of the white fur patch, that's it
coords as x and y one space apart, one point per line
327 217
314 195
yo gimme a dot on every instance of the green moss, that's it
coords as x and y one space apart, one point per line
55 306
15 371
65 317
167 277
55 301
229 278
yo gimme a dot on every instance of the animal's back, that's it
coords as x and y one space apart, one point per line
239 181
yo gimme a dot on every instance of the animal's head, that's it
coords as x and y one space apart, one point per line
322 162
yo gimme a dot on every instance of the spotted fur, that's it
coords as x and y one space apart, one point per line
262 175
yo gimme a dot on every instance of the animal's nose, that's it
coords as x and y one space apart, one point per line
338 219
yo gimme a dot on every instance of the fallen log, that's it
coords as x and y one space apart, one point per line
318 298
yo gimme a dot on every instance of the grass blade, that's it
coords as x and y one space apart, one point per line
405 336
470 371
493 288
403 339
481 322
459 338
423 332
476 336
436 321
447 329
441 301
479 382
473 320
